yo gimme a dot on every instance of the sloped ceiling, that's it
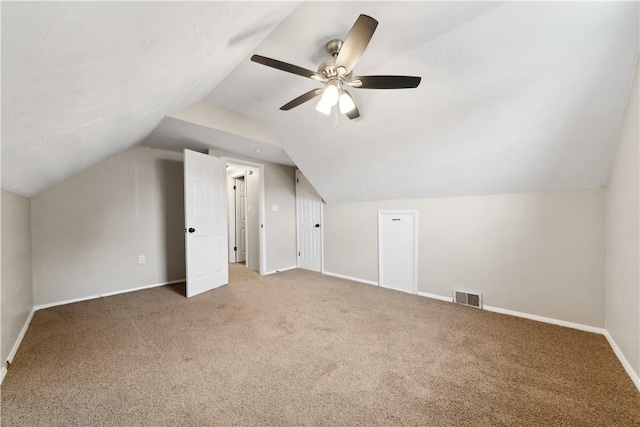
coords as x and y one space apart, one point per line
83 81
515 97
518 96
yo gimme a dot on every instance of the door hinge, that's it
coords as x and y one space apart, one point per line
235 248
298 253
297 181
234 187
261 225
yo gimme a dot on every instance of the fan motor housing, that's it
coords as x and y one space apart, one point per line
333 47
327 68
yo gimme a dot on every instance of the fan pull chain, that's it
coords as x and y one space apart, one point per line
335 116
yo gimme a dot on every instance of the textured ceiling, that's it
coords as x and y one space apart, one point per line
83 81
176 135
515 97
519 96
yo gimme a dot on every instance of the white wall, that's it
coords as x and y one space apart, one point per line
622 238
536 253
17 288
89 230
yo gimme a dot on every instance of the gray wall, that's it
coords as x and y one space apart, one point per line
536 253
89 230
622 247
280 226
17 289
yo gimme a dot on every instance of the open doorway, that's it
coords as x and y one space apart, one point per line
245 213
238 218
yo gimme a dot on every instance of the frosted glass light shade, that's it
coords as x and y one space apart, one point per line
330 95
323 107
346 103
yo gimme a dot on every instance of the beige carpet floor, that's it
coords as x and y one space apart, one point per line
299 348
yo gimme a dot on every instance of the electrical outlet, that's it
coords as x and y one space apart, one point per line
141 259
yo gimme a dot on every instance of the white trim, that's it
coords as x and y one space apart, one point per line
434 296
579 326
280 270
354 279
262 245
543 319
414 213
16 345
106 294
625 363
321 234
297 172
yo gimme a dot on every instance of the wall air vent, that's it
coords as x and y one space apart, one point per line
471 299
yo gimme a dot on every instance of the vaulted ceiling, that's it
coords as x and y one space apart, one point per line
518 96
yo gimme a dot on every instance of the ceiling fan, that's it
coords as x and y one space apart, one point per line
336 72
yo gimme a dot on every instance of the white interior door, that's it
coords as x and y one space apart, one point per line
241 219
309 212
397 239
205 222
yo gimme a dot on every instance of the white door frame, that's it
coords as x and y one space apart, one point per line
261 235
299 172
232 218
414 213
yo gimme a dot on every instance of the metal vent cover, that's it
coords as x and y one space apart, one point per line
472 299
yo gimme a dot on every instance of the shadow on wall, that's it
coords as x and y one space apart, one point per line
172 201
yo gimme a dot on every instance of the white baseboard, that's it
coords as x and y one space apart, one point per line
635 377
106 294
16 344
355 279
564 323
434 296
572 325
280 270
14 349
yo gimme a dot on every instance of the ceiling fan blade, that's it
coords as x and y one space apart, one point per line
354 113
283 66
302 99
356 42
385 82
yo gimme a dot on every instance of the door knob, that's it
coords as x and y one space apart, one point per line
191 230
317 225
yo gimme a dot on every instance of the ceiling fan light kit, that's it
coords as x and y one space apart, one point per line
324 107
346 103
336 72
330 95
